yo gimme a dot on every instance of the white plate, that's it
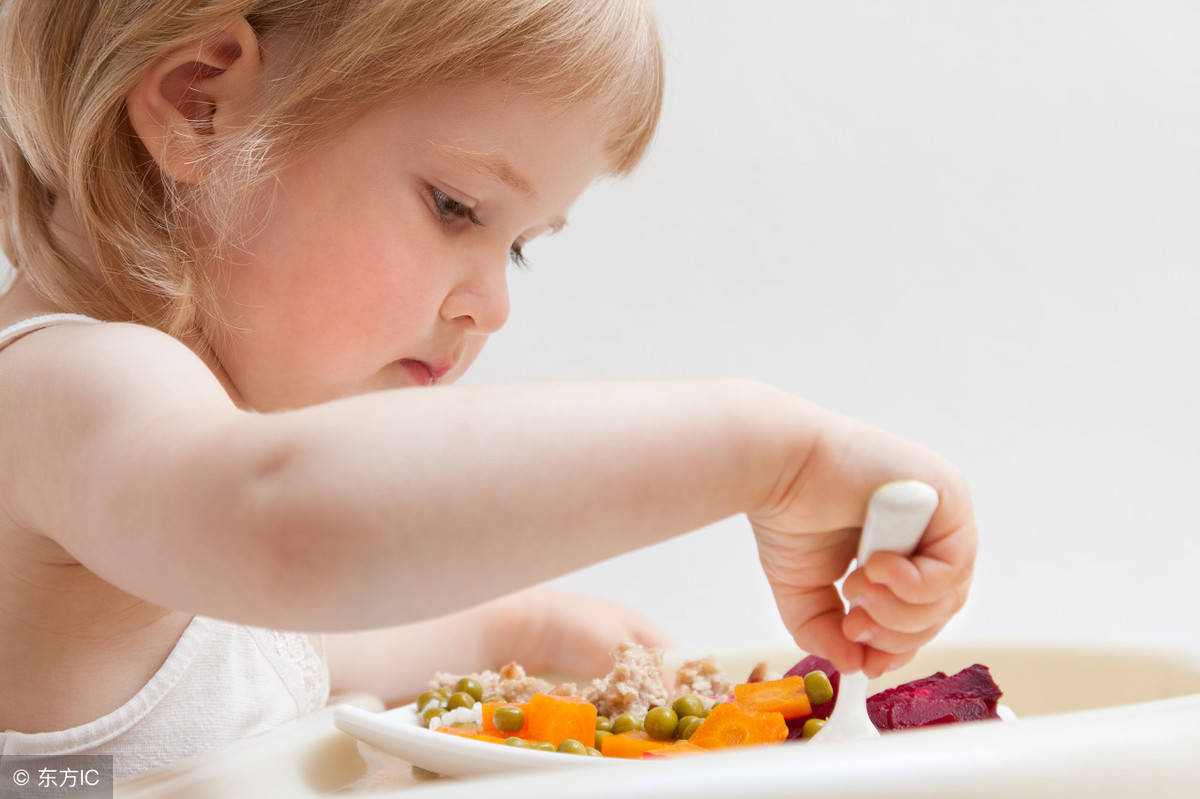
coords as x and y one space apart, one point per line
398 732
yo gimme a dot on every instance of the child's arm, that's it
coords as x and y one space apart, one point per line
355 513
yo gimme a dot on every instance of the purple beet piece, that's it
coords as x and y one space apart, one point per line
969 695
821 711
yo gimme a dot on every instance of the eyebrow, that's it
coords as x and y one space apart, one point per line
495 164
500 168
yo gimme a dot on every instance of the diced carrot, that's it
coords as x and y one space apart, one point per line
786 696
731 724
489 726
630 744
555 718
677 749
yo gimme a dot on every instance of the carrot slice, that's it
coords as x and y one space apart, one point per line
677 749
555 718
630 744
786 696
731 724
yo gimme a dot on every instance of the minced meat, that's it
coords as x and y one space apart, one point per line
703 677
634 685
510 684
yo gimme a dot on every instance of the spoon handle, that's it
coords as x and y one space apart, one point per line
897 516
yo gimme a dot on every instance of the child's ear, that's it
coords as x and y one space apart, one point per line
193 93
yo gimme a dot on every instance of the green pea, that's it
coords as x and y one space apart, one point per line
570 746
520 743
661 723
593 752
688 705
600 736
603 723
494 699
430 696
818 687
543 746
626 722
812 727
509 719
468 686
428 713
464 725
687 726
460 699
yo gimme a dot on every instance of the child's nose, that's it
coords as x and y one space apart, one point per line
481 298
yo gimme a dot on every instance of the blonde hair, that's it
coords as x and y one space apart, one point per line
68 65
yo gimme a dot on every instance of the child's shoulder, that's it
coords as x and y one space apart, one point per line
70 351
81 391
75 369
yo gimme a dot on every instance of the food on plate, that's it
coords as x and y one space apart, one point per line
810 728
675 749
510 684
808 668
788 696
630 713
504 719
632 744
970 695
634 684
731 724
555 719
702 677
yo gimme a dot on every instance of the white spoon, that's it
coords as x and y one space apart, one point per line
897 515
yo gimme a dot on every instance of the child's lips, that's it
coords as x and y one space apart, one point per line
424 373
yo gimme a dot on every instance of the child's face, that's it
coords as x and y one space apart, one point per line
369 272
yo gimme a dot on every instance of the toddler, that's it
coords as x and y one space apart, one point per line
255 242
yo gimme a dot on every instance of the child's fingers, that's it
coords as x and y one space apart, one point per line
944 558
858 626
876 662
928 575
813 616
888 610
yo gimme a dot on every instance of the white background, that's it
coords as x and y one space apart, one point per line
974 224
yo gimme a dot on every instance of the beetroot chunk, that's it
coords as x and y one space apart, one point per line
821 711
969 695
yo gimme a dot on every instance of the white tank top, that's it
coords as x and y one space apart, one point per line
221 682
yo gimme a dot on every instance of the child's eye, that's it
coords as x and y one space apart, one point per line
447 208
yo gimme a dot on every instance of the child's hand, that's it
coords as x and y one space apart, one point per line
547 630
808 533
